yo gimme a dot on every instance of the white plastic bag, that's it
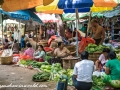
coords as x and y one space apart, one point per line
97 73
7 52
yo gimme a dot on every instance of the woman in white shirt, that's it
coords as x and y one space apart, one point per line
82 74
103 58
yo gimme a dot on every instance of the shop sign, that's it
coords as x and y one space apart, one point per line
19 16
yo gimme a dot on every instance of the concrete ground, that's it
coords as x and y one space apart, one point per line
14 75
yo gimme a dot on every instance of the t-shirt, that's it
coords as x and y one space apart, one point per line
50 32
84 70
102 59
39 54
114 66
29 51
61 53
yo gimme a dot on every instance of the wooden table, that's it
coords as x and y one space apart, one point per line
69 63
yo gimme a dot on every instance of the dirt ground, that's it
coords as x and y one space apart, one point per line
14 75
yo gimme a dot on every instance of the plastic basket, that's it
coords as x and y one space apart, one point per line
62 85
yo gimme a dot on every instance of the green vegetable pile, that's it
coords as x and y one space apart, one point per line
47 58
91 48
118 57
41 76
117 51
98 83
33 63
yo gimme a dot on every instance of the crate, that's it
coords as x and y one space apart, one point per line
43 43
94 56
71 48
6 60
69 63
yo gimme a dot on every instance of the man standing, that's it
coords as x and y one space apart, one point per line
97 32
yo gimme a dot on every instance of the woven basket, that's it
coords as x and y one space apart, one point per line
94 56
6 60
72 48
69 63
43 43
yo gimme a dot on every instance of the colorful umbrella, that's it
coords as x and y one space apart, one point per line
72 16
73 4
14 5
105 3
100 9
62 4
53 8
22 15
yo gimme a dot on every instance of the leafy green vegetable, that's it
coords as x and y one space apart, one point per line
41 76
97 81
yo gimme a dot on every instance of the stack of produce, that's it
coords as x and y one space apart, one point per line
98 83
33 63
41 76
118 53
92 48
56 71
118 57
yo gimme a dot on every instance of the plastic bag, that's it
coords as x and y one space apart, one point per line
97 73
84 42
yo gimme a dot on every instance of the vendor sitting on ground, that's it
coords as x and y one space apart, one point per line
112 69
102 59
82 74
29 51
40 54
62 51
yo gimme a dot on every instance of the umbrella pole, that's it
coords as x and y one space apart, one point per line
2 30
77 18
89 23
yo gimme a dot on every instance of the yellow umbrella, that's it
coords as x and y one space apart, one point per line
49 9
100 9
57 11
14 5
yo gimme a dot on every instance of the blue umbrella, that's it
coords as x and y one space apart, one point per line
81 10
22 15
63 4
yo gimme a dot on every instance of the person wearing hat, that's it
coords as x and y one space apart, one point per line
82 73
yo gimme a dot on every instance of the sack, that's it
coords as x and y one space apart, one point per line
58 40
